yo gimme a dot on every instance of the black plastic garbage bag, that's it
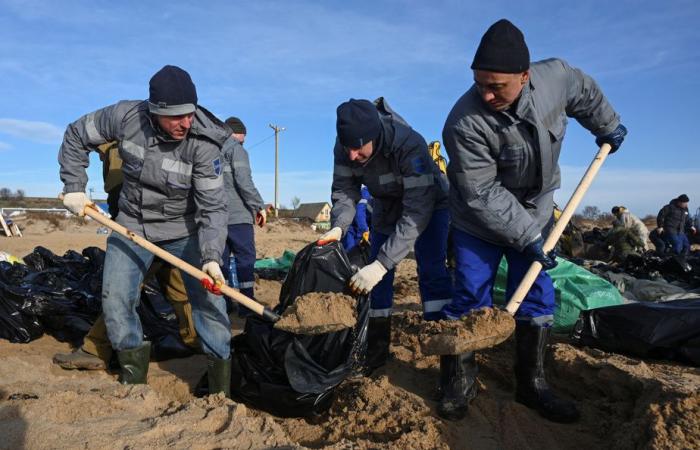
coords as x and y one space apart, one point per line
17 324
293 375
668 330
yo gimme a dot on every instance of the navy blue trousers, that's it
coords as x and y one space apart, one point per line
241 242
476 266
434 282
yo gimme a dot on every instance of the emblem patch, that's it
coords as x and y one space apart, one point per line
217 166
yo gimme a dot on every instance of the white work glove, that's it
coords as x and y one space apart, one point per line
367 277
213 269
660 230
76 202
334 234
261 218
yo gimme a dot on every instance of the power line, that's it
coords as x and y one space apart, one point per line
264 140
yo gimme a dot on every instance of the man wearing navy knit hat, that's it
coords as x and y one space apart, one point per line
376 147
503 138
172 195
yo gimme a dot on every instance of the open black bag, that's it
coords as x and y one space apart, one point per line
294 375
668 330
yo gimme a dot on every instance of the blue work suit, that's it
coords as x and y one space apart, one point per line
476 266
361 222
434 282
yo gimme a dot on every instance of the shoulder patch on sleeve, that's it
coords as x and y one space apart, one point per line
217 166
419 165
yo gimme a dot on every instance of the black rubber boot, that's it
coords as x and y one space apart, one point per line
219 375
133 364
532 389
378 339
457 385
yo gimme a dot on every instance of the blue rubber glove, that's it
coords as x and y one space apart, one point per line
614 139
535 252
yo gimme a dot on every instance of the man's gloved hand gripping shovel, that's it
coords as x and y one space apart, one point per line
492 329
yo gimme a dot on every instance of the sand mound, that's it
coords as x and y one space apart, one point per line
318 313
481 328
50 408
372 413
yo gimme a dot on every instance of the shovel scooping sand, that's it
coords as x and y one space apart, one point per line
318 313
487 327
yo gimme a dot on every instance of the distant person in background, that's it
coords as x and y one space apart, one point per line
359 229
245 207
673 221
625 219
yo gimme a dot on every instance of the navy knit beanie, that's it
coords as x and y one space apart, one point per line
358 123
683 198
172 92
502 49
236 125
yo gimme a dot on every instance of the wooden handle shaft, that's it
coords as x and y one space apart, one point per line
549 244
175 261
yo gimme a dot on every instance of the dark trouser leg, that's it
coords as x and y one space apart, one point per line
532 389
381 300
241 239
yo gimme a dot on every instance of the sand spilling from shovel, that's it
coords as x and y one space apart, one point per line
481 328
318 313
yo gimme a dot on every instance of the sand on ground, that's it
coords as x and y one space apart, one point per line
626 403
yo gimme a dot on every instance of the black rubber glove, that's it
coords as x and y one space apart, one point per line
535 252
614 139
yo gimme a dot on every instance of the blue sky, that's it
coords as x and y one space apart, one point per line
291 63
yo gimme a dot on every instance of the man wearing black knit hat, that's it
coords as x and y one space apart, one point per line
503 137
245 207
172 195
376 147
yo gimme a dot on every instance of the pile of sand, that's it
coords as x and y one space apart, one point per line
371 413
318 313
481 328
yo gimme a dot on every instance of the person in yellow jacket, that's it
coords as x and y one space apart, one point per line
96 350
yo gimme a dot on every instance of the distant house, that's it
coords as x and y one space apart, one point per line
317 212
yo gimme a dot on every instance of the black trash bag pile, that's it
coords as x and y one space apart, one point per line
649 266
293 375
668 330
61 296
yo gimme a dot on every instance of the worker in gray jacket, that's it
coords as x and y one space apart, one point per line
503 138
245 206
173 196
376 147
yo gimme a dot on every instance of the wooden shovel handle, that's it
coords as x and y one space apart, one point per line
180 264
531 275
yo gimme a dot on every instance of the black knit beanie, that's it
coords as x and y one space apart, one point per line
236 125
683 198
172 92
358 123
502 49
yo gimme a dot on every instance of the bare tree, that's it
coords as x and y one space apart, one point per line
5 193
590 212
19 194
295 202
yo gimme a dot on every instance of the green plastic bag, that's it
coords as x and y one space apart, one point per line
576 290
283 263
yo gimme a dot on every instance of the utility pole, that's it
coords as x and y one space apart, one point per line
91 190
277 129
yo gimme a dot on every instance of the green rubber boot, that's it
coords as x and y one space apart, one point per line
134 364
219 375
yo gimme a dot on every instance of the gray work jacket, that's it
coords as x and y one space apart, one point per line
172 189
242 198
405 183
504 166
